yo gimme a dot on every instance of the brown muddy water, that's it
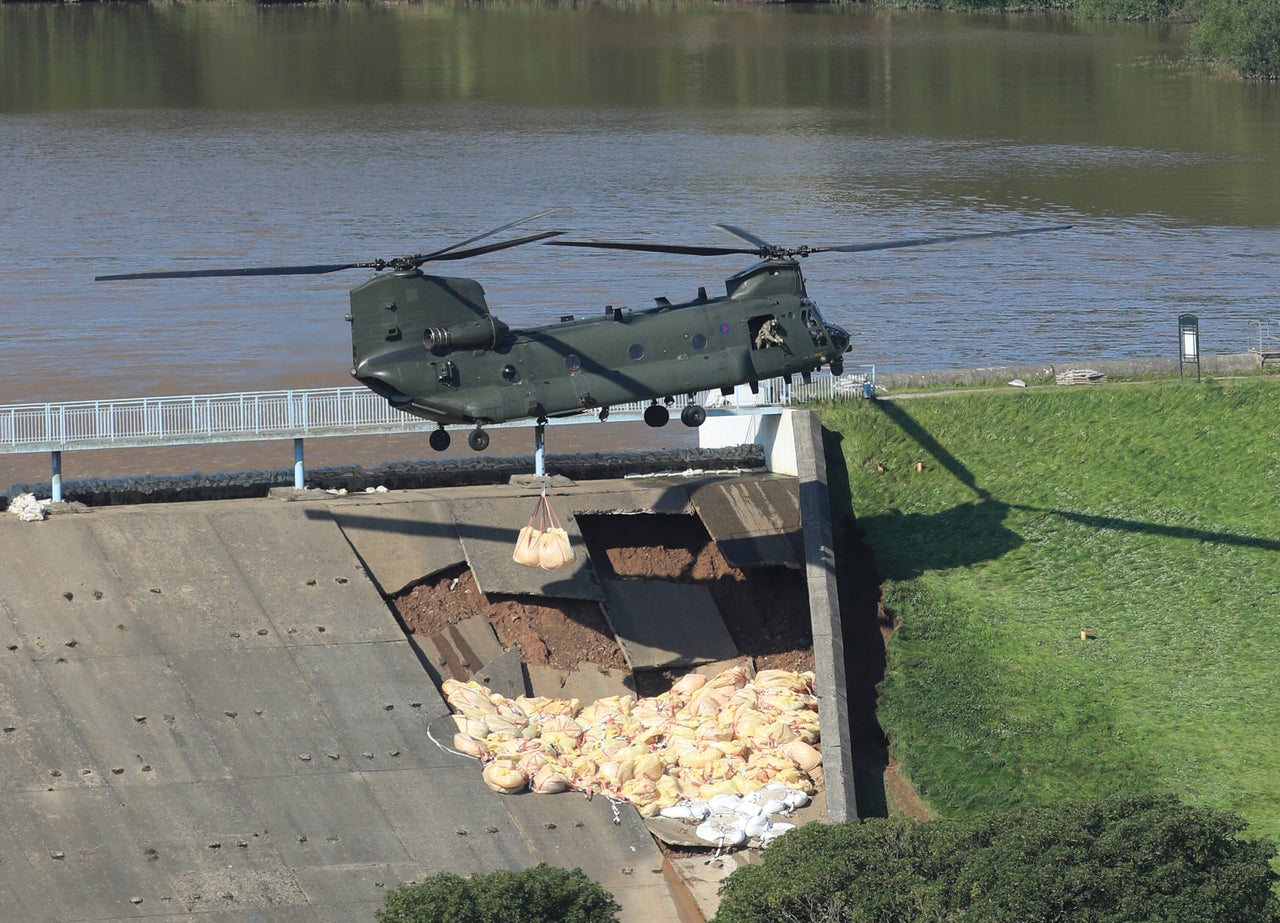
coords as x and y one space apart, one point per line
137 137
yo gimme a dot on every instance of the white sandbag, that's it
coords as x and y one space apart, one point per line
724 803
795 798
756 826
722 830
688 809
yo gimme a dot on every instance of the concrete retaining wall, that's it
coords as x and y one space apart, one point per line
792 444
405 475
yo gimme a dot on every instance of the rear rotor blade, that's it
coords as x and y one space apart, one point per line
654 248
766 250
925 241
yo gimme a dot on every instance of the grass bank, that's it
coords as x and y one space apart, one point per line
1005 523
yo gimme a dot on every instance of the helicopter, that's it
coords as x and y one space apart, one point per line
431 347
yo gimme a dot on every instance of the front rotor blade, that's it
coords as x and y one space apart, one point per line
925 241
319 269
421 258
764 245
653 248
490 248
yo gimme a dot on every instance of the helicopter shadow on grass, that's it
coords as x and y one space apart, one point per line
964 535
974 532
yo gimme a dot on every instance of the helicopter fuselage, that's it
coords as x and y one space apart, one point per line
430 345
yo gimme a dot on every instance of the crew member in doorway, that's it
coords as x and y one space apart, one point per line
769 334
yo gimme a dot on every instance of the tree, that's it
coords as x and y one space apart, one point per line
1126 859
538 895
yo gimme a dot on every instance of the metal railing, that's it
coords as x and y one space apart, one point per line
309 413
301 414
199 418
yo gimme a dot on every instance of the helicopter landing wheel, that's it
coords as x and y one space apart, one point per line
837 367
656 415
439 439
693 415
604 414
478 439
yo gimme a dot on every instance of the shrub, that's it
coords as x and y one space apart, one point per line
538 895
1114 860
1244 34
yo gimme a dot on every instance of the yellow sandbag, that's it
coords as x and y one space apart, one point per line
465 743
689 683
526 551
650 766
554 550
542 543
549 780
504 778
802 754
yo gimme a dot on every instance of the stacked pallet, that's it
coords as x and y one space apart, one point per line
1080 377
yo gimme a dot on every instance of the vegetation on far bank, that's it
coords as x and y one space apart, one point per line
1243 35
1087 587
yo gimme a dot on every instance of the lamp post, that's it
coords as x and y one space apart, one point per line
1188 342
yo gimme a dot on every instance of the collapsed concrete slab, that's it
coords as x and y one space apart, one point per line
661 625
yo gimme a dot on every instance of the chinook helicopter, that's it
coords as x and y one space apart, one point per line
430 345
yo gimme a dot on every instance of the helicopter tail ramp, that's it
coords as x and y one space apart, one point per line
207 709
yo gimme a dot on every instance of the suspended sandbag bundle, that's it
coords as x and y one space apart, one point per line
543 543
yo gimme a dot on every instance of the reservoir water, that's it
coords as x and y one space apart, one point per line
139 137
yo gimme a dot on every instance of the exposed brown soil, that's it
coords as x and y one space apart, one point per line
559 632
765 609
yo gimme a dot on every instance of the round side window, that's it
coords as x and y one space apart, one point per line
510 373
636 351
699 341
572 362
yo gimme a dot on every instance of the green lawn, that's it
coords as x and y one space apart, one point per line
1146 513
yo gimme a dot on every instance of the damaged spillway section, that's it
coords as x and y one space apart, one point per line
685 688
764 610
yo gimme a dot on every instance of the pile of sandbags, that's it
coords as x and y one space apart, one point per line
731 820
732 734
27 508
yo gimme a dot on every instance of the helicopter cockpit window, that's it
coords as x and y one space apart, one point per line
812 321
635 351
572 362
